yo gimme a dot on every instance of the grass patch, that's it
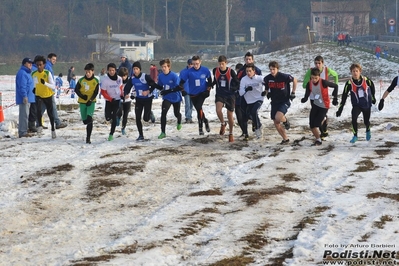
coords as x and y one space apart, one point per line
383 195
256 240
383 220
234 261
252 197
195 226
290 177
365 166
116 168
211 192
90 261
99 187
382 153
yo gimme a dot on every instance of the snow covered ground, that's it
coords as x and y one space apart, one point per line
200 200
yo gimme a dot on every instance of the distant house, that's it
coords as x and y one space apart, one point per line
329 18
134 46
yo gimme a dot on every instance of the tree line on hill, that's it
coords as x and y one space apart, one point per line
61 26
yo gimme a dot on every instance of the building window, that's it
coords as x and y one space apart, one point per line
316 19
123 44
325 21
143 44
137 44
129 43
356 20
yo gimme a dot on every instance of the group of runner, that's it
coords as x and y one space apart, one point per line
241 90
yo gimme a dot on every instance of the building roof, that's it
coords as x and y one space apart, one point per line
332 7
124 37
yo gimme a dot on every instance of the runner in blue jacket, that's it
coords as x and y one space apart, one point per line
199 83
171 94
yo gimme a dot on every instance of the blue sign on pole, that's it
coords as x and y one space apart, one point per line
391 29
373 21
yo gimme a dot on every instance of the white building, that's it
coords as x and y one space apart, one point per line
134 46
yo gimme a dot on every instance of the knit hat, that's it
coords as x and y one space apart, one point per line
137 64
190 61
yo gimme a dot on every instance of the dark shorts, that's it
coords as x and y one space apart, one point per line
317 115
229 102
279 107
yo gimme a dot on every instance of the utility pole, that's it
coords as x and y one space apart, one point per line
166 15
227 36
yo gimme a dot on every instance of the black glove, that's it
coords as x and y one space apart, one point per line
84 97
304 100
42 81
205 94
339 112
268 95
88 103
335 101
373 101
292 96
34 90
263 93
132 96
381 104
183 92
164 92
249 88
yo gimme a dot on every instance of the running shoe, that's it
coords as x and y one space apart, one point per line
368 135
354 139
110 138
162 135
285 141
317 143
222 129
208 129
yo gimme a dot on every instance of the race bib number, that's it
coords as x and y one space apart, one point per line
361 93
197 82
223 83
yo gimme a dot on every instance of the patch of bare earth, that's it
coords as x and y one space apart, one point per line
252 197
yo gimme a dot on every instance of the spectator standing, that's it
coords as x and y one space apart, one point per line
154 76
188 104
58 84
51 60
24 96
378 52
125 63
70 73
72 85
103 74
